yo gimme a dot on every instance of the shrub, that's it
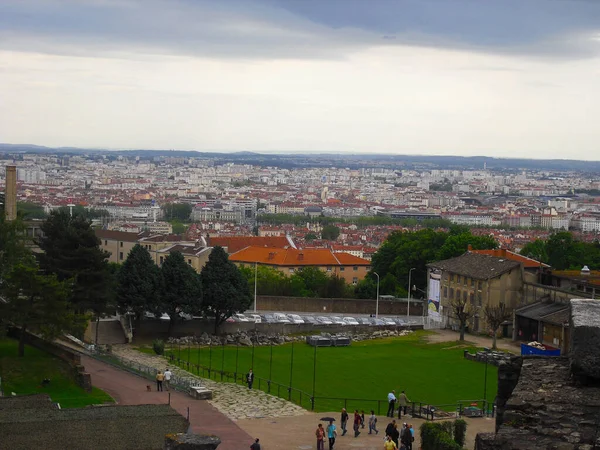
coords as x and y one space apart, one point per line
438 436
159 346
460 431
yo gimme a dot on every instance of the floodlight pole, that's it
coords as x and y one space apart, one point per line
409 287
377 301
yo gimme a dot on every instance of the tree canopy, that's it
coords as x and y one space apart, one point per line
179 211
330 232
225 290
562 252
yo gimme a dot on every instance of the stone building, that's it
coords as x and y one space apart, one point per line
478 281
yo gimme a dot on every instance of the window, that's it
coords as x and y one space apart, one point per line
292 270
342 269
120 244
465 294
458 279
452 277
328 268
480 286
451 293
355 268
355 280
161 260
472 283
190 262
479 298
458 294
121 256
466 281
472 299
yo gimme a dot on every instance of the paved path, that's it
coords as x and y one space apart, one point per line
129 389
479 341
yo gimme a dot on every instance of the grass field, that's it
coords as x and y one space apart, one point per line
24 376
435 374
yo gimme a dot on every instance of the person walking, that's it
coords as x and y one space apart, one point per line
344 421
256 445
389 444
406 437
412 435
320 433
390 428
403 402
373 423
356 423
362 418
159 381
250 378
395 434
331 434
391 403
168 374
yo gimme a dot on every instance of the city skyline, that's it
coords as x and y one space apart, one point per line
424 78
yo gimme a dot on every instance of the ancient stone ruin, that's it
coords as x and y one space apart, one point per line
552 402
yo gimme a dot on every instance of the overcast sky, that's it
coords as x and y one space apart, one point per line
517 78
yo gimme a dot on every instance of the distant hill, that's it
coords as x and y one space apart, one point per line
329 159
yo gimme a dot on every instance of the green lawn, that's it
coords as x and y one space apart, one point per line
24 376
435 374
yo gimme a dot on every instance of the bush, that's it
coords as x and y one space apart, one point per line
159 346
460 431
438 436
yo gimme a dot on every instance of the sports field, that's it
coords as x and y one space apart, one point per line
434 374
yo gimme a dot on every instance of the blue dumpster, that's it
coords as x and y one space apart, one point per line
550 351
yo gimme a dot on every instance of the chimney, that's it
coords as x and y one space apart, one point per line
10 193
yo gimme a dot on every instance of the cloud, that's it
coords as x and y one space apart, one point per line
298 29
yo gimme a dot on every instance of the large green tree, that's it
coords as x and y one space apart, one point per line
330 232
561 251
182 288
138 284
225 290
457 244
309 282
38 303
71 251
12 244
270 281
179 211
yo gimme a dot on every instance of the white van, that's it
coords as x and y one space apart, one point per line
281 318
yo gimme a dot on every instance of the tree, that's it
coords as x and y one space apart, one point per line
12 244
270 281
71 250
330 232
225 289
38 302
535 250
310 237
178 227
462 312
495 316
308 282
182 288
180 211
457 244
31 210
138 284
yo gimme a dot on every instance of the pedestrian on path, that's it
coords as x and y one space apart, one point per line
331 434
256 445
356 423
344 421
395 434
390 428
403 401
159 381
373 423
168 374
389 444
320 433
391 404
250 378
362 418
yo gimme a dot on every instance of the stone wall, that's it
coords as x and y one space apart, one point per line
552 402
345 306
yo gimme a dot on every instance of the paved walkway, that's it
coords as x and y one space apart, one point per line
129 389
479 341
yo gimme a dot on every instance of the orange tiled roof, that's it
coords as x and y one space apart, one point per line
236 243
528 263
296 257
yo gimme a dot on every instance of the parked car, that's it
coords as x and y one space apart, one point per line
239 317
377 322
337 320
295 318
351 321
281 318
230 320
322 320
165 316
268 318
388 321
310 319
364 320
254 318
400 322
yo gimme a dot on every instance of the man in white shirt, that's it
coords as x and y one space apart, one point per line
391 403
168 374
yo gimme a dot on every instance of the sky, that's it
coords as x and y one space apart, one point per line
504 78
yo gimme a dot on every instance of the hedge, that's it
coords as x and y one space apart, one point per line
443 435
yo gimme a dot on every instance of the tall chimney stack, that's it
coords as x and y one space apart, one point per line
10 193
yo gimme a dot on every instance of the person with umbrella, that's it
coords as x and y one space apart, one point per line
320 433
331 431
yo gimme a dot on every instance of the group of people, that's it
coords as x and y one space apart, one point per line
163 377
403 402
399 439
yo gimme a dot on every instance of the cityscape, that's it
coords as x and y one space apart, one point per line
293 225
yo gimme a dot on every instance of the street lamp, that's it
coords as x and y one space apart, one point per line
377 301
409 285
255 282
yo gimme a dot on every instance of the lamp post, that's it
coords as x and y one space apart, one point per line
255 282
409 286
377 301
